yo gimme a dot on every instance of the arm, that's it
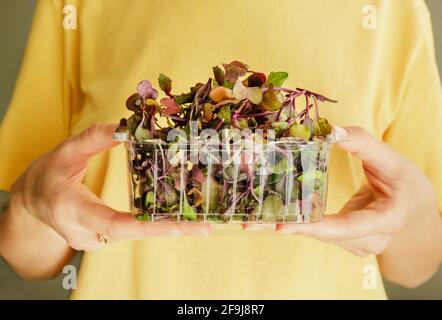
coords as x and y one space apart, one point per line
415 252
51 212
395 216
26 241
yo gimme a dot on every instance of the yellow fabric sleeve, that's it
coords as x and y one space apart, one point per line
416 131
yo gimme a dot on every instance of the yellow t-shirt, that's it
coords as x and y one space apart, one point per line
385 79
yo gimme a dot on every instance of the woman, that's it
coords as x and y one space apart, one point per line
67 182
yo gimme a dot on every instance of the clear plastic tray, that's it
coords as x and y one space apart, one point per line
277 182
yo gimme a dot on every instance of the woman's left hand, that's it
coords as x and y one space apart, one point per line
397 196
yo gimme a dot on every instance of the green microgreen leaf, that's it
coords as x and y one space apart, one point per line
187 210
143 217
236 98
280 126
225 114
276 78
322 127
300 131
133 122
272 206
270 101
218 74
165 83
311 178
211 191
228 84
254 94
149 199
282 167
142 133
208 111
169 194
184 98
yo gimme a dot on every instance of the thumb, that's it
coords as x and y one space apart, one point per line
78 149
377 157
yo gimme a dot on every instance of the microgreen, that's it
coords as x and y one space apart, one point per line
236 98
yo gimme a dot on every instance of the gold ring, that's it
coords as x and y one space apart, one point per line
103 238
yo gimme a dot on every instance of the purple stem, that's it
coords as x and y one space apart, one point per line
223 192
242 106
320 97
280 89
219 124
165 173
257 114
279 113
152 124
315 100
177 118
233 205
307 107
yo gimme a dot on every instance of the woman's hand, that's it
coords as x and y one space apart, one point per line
51 190
397 193
394 215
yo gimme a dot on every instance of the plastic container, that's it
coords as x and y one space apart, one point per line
276 182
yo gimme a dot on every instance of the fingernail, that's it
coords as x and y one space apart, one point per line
339 133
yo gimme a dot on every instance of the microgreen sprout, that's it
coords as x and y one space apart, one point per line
166 180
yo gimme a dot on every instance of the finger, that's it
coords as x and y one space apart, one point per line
250 227
340 227
95 139
377 157
375 244
122 226
359 200
352 249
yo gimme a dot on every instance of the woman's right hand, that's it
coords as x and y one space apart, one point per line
51 190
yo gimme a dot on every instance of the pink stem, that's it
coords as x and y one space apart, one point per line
257 114
219 124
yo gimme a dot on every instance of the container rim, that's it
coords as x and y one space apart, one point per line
329 140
